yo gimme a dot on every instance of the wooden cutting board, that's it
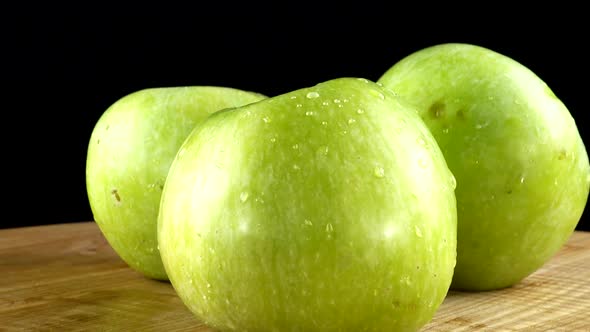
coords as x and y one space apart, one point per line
67 278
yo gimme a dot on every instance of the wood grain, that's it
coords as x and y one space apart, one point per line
67 278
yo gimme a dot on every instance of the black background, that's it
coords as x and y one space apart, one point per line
62 70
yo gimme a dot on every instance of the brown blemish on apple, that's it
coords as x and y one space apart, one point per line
437 109
115 194
461 114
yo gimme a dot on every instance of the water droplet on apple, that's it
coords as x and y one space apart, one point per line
445 130
307 222
380 84
309 113
422 163
273 139
351 121
326 103
379 172
417 231
329 228
453 182
312 95
337 101
364 80
360 111
244 196
296 167
478 126
340 105
378 94
521 179
266 119
345 100
324 123
295 146
406 280
293 97
299 105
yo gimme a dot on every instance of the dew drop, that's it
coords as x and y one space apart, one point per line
244 196
308 222
379 172
324 123
326 103
345 100
293 97
521 179
295 146
445 131
351 121
266 119
312 95
360 111
406 280
337 101
417 231
296 167
478 126
299 105
364 80
329 228
453 182
272 139
422 163
309 113
324 150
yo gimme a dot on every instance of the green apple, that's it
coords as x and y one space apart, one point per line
129 154
328 208
521 167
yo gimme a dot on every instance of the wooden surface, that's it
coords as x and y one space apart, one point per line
67 278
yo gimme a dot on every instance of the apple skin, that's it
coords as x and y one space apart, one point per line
328 208
130 151
521 167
